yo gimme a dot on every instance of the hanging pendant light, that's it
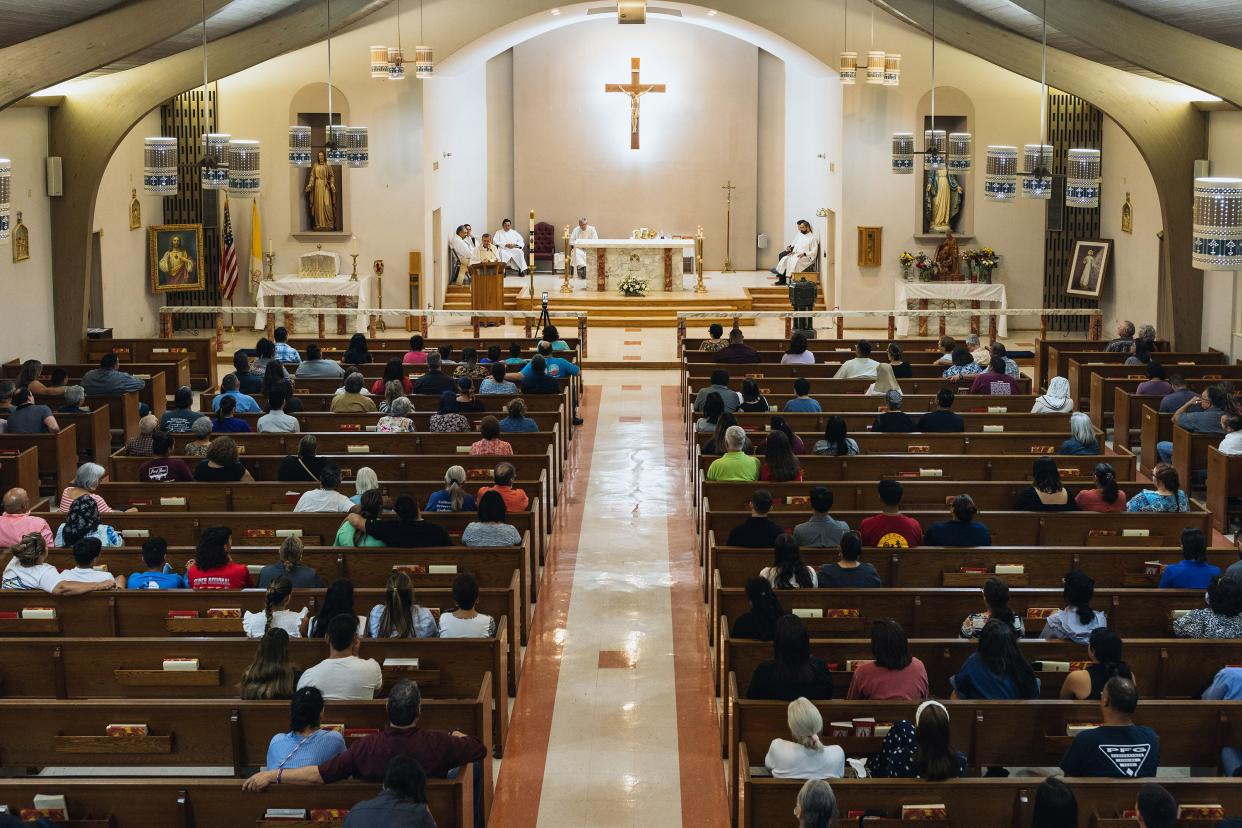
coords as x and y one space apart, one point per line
1037 158
159 165
847 62
337 144
892 69
299 146
961 151
903 153
424 57
358 155
379 62
1000 181
875 59
1216 230
1082 178
935 143
244 180
214 170
6 185
396 63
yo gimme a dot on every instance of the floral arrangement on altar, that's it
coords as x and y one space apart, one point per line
981 263
632 285
920 263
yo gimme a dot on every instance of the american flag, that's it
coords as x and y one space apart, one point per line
228 258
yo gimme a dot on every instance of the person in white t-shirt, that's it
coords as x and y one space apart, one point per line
29 569
1231 443
86 556
276 612
806 757
326 498
343 675
276 420
465 621
862 365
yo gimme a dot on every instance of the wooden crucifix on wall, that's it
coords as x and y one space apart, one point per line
635 90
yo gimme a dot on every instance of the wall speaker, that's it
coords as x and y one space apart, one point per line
55 176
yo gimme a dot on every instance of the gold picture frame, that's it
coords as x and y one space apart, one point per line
135 211
870 245
171 271
1089 267
21 240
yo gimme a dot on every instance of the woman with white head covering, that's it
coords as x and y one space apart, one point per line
805 757
919 749
1056 400
885 381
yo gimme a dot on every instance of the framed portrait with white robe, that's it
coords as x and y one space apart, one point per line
175 257
1089 267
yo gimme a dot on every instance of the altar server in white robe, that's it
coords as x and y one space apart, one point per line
582 231
464 253
799 255
512 247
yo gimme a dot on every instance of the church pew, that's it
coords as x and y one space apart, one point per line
1128 415
339 344
197 802
814 423
1044 345
1107 378
914 404
878 343
320 421
94 438
1155 428
122 411
154 394
20 468
822 387
1190 450
1009 442
69 667
200 353
1224 484
57 455
766 802
820 369
771 357
323 401
1080 366
176 372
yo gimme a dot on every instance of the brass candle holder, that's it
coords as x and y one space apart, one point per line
353 277
698 261
378 266
269 259
565 288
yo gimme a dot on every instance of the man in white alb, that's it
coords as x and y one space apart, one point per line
512 247
582 231
799 255
486 251
464 253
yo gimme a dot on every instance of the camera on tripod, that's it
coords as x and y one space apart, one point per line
544 319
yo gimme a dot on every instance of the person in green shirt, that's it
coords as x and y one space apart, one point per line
734 464
370 504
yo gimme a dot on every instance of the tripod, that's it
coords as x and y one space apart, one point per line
544 320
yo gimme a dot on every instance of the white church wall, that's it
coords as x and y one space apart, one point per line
1130 293
770 172
500 141
812 145
697 135
1221 314
27 286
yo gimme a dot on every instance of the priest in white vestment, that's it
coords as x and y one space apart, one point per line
799 255
511 246
486 251
464 253
582 231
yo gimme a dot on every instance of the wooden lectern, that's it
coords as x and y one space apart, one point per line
487 289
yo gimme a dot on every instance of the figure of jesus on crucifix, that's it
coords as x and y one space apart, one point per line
635 90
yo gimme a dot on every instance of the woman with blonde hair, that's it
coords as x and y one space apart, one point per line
805 757
276 613
399 616
453 497
885 381
289 565
370 506
270 675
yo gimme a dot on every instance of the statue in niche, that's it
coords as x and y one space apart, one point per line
321 194
943 197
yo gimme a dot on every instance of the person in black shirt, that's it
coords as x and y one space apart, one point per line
248 382
849 571
792 672
757 531
894 419
1158 809
944 419
765 610
435 381
408 531
357 353
304 466
901 368
539 382
1047 494
1118 748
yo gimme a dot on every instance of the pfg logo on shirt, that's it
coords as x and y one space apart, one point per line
1127 759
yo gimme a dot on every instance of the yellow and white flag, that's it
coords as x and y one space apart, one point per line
256 249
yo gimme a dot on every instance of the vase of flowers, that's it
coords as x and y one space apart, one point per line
986 261
632 286
906 260
925 267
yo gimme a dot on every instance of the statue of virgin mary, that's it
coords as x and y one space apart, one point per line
943 196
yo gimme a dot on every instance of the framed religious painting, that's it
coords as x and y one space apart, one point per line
869 241
1089 266
175 257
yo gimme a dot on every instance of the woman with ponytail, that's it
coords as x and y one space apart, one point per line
276 613
1105 651
1077 620
996 596
370 505
306 743
1105 496
805 757
453 497
225 421
399 616
765 610
1166 497
289 565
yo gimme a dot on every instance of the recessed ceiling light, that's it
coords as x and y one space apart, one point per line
711 12
556 12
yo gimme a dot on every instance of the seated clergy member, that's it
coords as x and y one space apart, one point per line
805 757
512 247
861 366
325 498
822 530
943 420
799 255
890 528
737 352
757 531
1118 748
734 464
161 468
316 367
436 751
486 251
343 675
17 522
849 571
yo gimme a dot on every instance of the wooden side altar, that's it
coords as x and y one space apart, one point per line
487 289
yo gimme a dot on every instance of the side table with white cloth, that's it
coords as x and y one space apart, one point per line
342 287
973 292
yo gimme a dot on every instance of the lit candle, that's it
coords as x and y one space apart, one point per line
532 222
354 239
270 249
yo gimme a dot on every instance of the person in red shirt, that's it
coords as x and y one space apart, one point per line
995 381
891 528
894 673
515 499
162 468
212 568
392 371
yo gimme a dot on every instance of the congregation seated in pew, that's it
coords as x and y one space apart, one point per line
82 522
962 530
919 749
805 756
465 621
1221 618
213 567
997 670
27 568
325 497
158 574
822 529
491 529
893 673
1046 494
836 441
780 464
1104 496
1167 496
758 531
1077 619
515 417
16 521
276 612
890 528
225 421
221 464
996 599
1104 650
162 468
75 396
343 674
792 671
1082 438
29 417
849 571
1117 747
759 622
788 570
400 616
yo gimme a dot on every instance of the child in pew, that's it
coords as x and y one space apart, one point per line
158 574
466 621
276 613
805 757
996 596
86 556
788 570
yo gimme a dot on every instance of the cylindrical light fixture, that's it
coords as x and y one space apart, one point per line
1000 182
934 146
961 152
214 174
1037 158
1082 178
299 146
359 151
1216 231
892 69
847 68
903 153
6 185
338 144
396 64
244 179
159 167
875 68
379 62
424 62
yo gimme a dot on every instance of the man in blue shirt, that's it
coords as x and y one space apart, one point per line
1118 748
1201 414
553 367
1193 572
1227 686
284 351
802 402
228 388
158 574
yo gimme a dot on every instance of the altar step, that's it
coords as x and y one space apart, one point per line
776 298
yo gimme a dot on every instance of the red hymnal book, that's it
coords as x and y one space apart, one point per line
183 613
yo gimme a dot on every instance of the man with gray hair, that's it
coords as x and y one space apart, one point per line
734 464
435 382
74 395
230 387
1124 343
351 399
582 231
17 522
439 753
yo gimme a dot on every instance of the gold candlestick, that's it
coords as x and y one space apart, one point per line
729 187
698 261
353 277
378 266
565 288
269 259
531 248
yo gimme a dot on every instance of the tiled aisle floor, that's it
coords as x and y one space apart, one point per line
616 679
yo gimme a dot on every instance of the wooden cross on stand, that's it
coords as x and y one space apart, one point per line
635 90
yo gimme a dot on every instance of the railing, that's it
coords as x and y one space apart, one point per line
839 316
426 318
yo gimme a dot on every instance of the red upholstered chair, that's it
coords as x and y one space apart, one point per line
545 244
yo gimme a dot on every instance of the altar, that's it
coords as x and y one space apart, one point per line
659 261
958 292
341 287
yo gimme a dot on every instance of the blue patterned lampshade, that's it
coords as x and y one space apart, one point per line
299 146
1216 231
6 172
396 64
215 174
244 179
961 152
359 152
935 148
1082 178
159 165
903 153
1000 180
1037 157
338 144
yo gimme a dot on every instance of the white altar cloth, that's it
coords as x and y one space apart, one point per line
362 291
953 291
641 257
